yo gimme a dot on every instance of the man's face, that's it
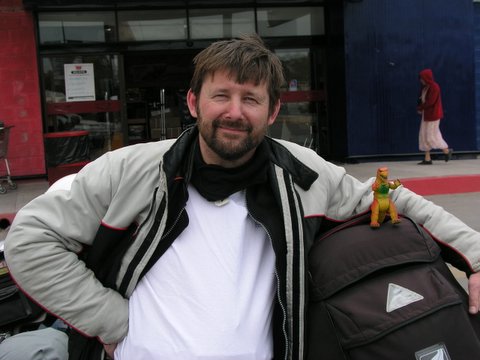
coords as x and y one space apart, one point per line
232 119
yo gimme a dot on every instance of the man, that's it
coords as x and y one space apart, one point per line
196 247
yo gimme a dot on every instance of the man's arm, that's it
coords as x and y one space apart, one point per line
42 250
448 229
352 197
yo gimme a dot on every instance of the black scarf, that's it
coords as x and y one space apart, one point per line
215 182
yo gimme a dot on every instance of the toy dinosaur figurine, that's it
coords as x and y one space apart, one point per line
382 204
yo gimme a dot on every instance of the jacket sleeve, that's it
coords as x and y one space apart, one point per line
42 249
446 228
339 196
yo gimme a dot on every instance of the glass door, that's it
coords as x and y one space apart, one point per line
303 100
156 86
82 93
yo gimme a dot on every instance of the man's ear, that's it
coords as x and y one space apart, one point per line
274 114
192 103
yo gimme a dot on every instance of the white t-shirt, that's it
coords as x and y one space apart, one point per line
211 295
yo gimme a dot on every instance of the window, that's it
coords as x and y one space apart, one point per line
76 28
221 23
91 27
297 120
152 25
101 118
295 21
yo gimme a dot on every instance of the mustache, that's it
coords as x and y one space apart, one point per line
233 124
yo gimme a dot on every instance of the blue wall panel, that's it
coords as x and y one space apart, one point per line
476 21
386 44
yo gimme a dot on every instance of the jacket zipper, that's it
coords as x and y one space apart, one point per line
149 214
166 233
282 306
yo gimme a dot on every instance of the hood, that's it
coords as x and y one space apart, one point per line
427 76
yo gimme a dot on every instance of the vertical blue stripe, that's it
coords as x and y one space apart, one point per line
476 37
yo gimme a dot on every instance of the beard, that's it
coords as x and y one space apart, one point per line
230 149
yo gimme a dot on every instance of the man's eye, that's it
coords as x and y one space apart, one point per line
251 100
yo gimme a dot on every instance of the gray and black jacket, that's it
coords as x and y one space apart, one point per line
81 252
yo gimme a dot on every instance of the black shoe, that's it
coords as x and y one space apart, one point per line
425 162
448 156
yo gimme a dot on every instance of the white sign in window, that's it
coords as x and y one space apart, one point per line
79 82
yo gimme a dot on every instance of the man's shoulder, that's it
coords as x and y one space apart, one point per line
308 157
295 150
140 151
289 145
155 146
304 163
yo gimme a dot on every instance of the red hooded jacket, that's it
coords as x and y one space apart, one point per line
432 106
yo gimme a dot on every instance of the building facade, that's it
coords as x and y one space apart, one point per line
118 71
20 100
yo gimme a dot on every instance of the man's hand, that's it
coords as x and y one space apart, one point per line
474 293
110 349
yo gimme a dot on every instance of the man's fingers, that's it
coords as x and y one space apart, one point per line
110 349
474 293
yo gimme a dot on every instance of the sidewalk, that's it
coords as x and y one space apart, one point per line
14 200
410 169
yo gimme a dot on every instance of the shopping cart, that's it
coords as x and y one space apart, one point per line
4 134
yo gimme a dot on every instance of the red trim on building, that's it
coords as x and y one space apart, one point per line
57 172
62 134
80 107
302 96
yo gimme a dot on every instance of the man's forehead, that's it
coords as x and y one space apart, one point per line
233 75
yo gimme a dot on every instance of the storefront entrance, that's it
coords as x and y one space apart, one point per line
139 96
82 93
118 99
156 85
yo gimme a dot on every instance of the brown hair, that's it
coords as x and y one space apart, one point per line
245 59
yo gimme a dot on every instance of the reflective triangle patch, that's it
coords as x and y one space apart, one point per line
435 352
398 297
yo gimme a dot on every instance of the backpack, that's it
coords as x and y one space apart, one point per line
386 293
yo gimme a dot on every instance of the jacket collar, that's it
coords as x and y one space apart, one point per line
178 160
301 174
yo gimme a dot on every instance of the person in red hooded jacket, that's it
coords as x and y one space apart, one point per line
430 107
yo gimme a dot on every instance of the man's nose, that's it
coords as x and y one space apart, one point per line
235 109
